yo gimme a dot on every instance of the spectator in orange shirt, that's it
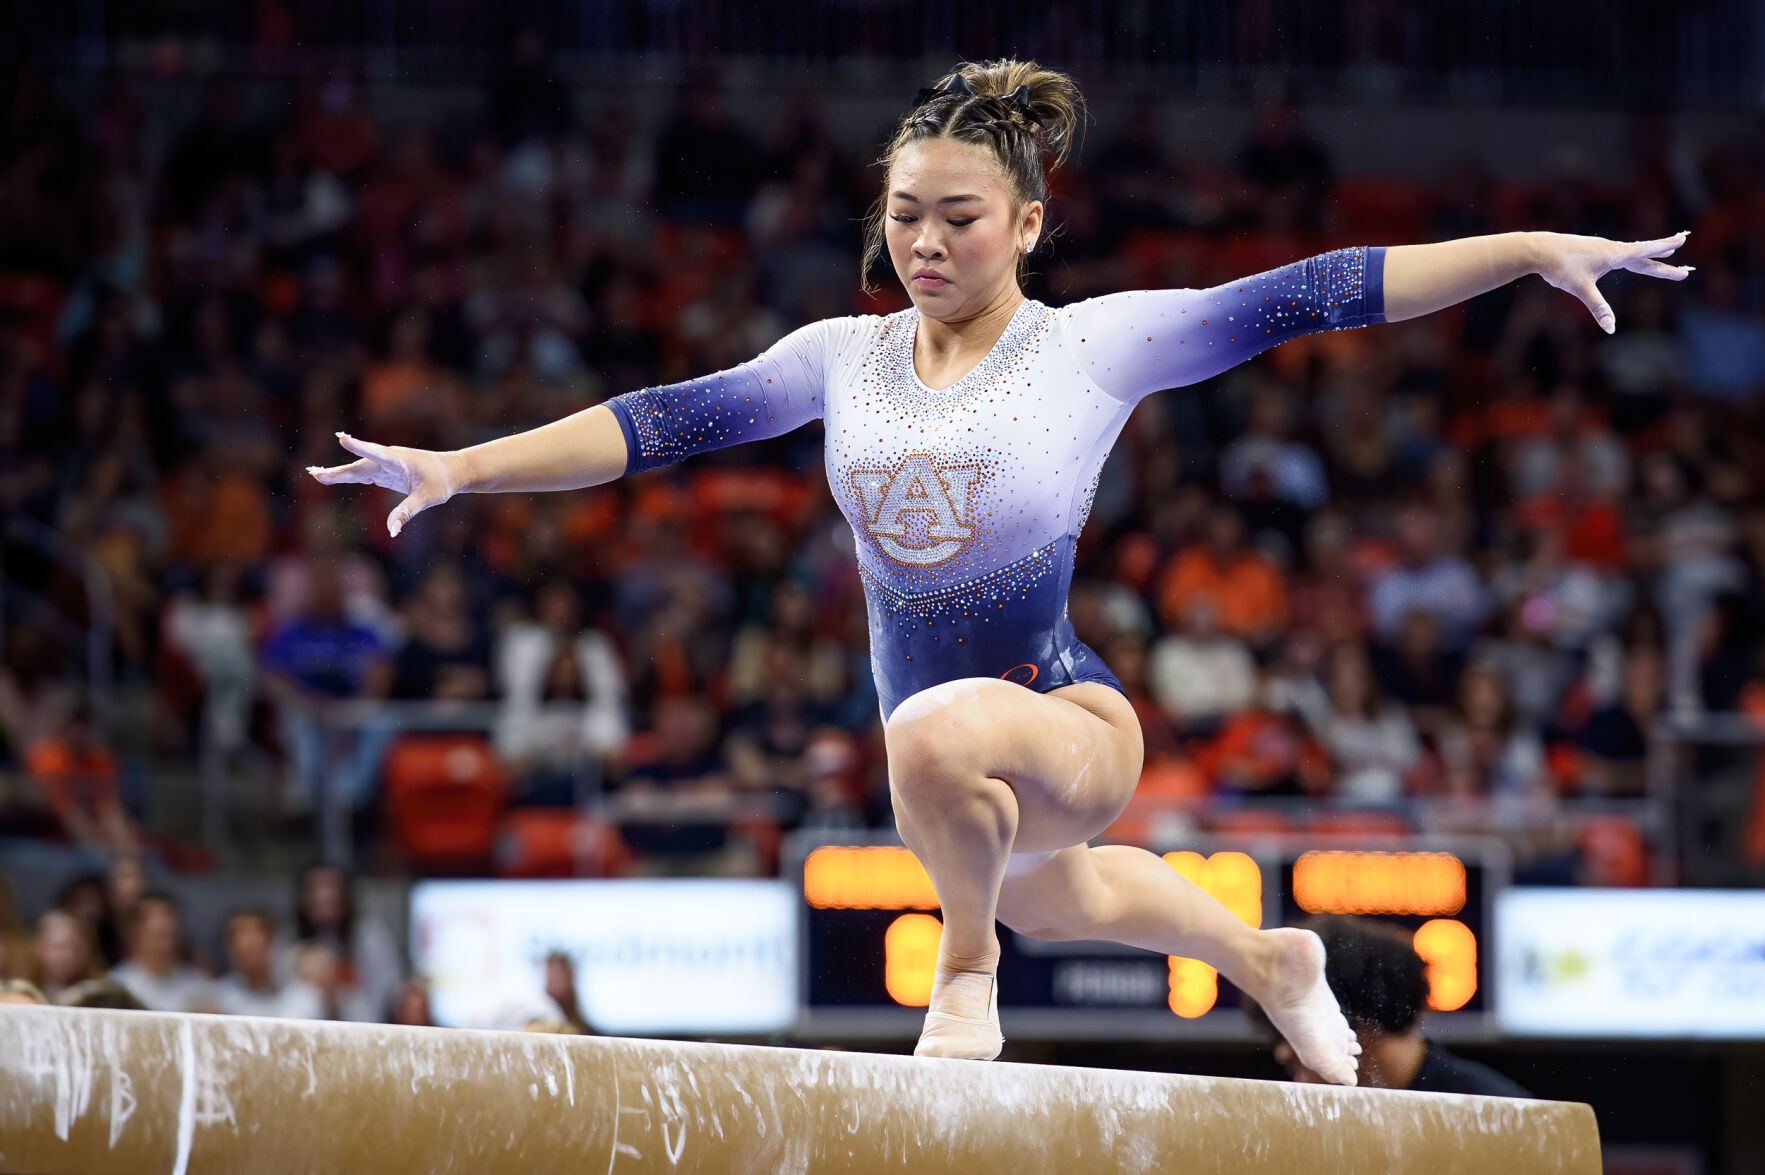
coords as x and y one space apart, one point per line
407 390
1265 753
1589 525
216 510
1245 588
79 776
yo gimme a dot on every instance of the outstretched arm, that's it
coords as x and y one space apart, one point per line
583 449
777 391
1136 342
1420 279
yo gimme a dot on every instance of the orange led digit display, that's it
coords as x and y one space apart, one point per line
1234 880
910 956
874 877
1450 951
1194 987
1379 883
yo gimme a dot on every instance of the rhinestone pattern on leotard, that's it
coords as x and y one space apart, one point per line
976 598
731 403
941 523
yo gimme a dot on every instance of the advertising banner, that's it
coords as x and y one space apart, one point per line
651 956
1631 963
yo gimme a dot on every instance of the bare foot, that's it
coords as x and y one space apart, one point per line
1302 1008
963 1020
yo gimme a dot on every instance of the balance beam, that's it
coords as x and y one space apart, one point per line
101 1091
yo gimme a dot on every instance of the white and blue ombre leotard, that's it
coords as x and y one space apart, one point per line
967 502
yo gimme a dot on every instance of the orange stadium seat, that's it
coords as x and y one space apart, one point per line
443 794
558 842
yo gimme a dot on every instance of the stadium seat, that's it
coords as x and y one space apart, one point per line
558 842
443 794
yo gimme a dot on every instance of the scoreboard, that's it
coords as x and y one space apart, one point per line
871 930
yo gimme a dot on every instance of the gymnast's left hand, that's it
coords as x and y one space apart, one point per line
1575 263
426 477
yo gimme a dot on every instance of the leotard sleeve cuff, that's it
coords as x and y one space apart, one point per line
622 414
1373 283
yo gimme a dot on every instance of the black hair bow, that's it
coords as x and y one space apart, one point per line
1018 99
957 84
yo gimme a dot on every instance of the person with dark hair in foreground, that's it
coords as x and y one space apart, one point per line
153 968
102 992
1381 984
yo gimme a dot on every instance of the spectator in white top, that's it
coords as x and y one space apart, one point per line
250 988
213 632
64 954
1501 758
1370 739
359 968
326 988
1427 580
1537 465
563 688
1202 673
153 969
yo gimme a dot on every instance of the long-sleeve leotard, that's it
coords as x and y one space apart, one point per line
966 502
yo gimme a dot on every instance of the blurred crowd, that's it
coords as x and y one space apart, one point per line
111 940
1451 570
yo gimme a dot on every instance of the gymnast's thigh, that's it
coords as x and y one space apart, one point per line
1071 756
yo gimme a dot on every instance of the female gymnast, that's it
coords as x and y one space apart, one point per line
964 438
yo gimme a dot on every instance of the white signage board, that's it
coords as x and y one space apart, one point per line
1630 962
651 956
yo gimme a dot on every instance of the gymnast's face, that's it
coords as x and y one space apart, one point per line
950 211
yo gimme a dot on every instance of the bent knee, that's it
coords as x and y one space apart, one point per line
1057 915
1055 925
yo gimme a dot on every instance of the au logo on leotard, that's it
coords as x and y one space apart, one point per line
917 486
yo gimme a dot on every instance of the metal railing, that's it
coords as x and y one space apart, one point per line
351 717
589 798
1656 812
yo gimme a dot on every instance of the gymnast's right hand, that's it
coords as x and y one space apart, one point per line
427 477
